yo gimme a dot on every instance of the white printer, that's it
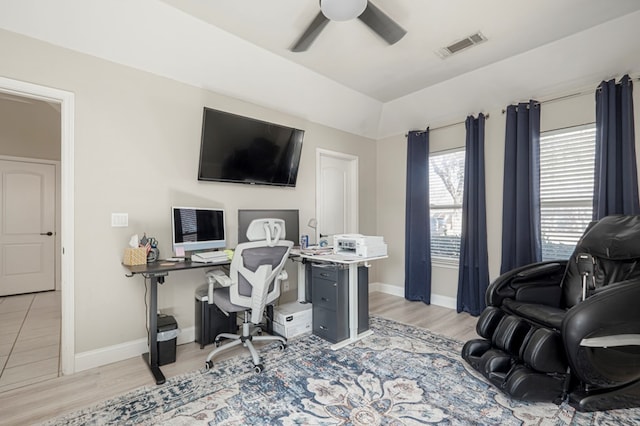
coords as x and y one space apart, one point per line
359 245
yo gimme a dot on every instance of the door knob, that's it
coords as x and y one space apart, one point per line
47 233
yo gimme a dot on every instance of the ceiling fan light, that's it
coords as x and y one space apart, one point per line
342 10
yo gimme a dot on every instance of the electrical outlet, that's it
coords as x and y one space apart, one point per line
285 286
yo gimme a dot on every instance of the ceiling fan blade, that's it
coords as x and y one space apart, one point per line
381 24
310 34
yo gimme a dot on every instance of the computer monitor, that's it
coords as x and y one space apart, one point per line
290 218
197 228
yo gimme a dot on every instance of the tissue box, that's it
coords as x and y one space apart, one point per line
135 256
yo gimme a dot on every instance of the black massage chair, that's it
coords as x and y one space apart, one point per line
568 330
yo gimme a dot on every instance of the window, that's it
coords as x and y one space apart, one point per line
446 184
566 188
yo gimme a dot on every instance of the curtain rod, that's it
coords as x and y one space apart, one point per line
557 98
576 94
486 117
560 98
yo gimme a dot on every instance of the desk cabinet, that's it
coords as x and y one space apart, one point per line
210 320
330 298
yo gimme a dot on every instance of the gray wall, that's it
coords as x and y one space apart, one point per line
29 128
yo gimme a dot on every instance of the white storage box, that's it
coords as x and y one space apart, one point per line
292 319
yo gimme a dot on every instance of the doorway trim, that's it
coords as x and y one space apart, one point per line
67 112
353 178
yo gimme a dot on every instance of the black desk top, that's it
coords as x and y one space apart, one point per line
164 266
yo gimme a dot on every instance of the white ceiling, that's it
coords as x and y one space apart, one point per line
351 54
350 79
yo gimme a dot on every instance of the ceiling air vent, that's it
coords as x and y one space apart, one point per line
460 45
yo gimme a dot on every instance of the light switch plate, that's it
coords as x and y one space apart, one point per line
119 219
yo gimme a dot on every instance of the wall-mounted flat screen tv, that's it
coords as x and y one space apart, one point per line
245 150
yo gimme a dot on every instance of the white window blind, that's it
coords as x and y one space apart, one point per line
446 183
566 188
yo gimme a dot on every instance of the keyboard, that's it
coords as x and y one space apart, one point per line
210 257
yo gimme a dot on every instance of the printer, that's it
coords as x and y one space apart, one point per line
359 245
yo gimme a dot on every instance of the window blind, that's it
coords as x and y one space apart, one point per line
566 188
446 183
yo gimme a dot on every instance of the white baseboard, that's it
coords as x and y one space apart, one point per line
110 354
444 301
394 290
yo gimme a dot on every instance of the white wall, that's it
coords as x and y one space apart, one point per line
391 180
137 138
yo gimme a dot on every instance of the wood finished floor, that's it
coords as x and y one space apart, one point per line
37 402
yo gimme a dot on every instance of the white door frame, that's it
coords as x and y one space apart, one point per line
67 108
353 178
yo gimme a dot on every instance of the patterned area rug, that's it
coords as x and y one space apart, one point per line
401 375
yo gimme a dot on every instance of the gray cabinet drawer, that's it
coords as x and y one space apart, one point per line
325 272
325 294
329 325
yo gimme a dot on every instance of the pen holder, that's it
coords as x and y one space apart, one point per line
135 256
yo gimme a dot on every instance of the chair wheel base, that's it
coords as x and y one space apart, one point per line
258 368
282 346
208 365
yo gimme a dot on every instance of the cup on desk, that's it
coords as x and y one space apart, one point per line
304 241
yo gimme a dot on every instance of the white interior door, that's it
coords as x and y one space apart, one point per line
337 193
27 227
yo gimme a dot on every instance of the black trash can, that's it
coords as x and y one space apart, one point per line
167 336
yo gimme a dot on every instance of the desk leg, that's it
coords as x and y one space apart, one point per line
353 311
152 356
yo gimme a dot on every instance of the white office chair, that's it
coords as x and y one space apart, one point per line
255 275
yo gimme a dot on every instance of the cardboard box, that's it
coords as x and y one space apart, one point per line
292 319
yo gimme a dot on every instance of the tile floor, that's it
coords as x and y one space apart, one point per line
29 338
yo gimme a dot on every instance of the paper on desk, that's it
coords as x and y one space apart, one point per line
317 251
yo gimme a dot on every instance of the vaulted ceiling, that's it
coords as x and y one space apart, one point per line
350 78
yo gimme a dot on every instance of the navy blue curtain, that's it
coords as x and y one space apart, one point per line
521 244
473 272
417 269
615 188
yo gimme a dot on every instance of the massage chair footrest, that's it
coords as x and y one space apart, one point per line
528 385
512 377
473 350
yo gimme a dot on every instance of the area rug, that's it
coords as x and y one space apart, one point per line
401 375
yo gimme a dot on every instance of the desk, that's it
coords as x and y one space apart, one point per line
353 262
156 272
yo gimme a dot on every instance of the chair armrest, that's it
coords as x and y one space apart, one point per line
611 341
607 319
219 277
525 280
216 277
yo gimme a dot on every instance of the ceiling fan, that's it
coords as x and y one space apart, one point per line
345 10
